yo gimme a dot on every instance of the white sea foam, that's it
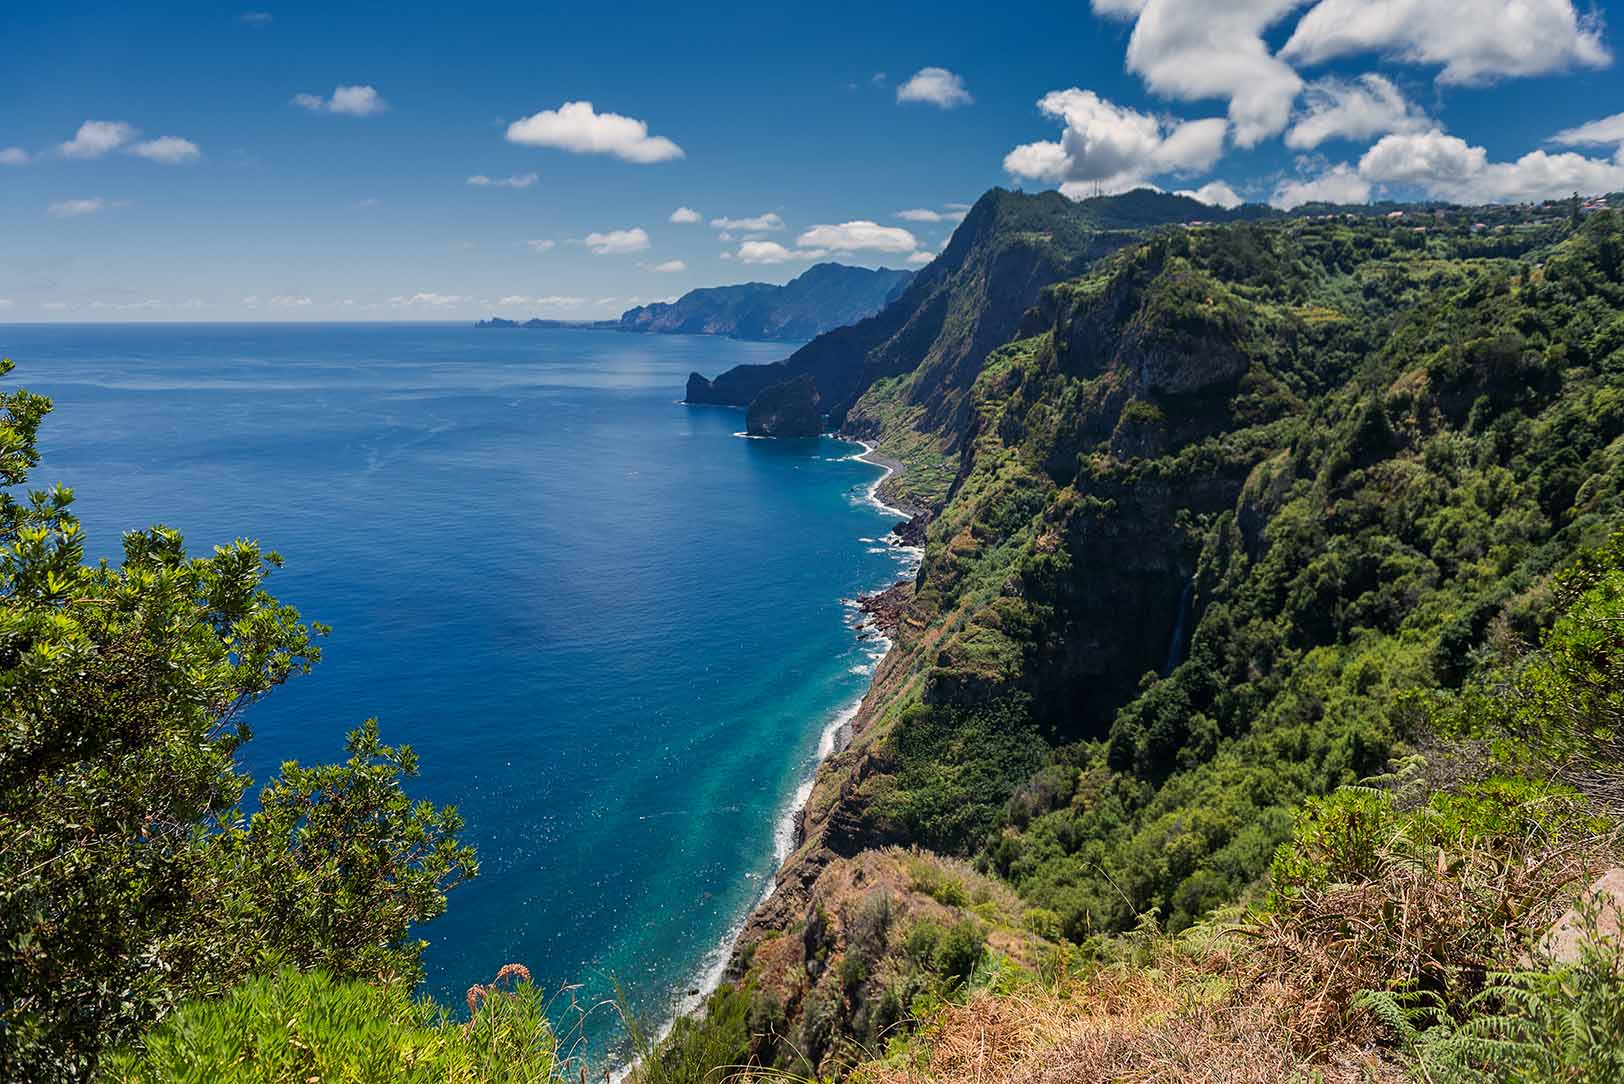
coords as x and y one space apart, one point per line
835 734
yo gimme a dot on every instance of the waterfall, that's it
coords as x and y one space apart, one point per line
1175 647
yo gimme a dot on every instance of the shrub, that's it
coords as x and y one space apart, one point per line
302 1026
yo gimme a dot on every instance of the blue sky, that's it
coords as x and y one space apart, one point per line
321 161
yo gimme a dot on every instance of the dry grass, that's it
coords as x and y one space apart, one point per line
1272 1000
1190 1015
1432 920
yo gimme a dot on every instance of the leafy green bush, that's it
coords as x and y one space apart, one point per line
302 1026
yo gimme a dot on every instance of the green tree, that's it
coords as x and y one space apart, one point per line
128 880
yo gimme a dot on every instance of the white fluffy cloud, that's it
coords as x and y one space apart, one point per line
1421 158
1473 41
1360 110
97 137
669 266
1215 194
167 150
766 252
858 236
757 224
617 242
1339 184
357 100
1114 146
1447 167
925 214
14 156
920 259
577 127
544 245
684 216
1189 52
935 86
518 180
1607 131
75 208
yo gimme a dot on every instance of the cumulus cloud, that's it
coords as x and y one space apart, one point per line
617 242
1421 158
858 236
1473 41
14 156
577 127
1447 167
669 266
1215 194
167 150
920 259
1360 110
758 224
518 180
1189 52
925 214
542 245
357 100
935 86
97 137
765 252
684 216
1113 146
1339 184
1608 130
75 208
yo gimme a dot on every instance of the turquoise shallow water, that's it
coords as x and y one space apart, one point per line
612 628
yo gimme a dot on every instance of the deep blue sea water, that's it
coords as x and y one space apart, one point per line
611 627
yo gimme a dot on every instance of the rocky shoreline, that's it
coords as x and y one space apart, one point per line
884 608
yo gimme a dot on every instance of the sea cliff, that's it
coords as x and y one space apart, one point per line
1186 567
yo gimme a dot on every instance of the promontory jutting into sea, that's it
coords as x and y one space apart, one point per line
547 545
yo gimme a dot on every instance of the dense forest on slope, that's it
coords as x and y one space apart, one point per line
1235 505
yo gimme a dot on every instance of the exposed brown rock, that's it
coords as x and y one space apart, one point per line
1599 913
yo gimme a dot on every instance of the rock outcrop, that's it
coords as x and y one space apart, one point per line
789 409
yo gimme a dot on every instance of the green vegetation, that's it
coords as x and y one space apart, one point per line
129 879
302 1026
1253 514
1353 503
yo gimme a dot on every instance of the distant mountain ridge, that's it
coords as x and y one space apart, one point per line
824 297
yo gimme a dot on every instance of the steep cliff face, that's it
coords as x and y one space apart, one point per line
1230 494
1056 572
958 308
825 296
789 409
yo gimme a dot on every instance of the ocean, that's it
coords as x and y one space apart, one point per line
612 627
